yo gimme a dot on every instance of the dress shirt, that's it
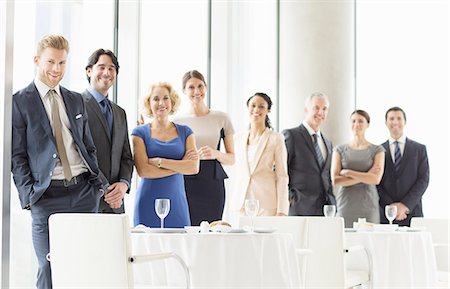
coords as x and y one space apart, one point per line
401 145
76 162
320 141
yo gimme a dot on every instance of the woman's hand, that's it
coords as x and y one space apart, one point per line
207 153
191 155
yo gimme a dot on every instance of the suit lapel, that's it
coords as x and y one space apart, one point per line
243 146
308 140
259 149
98 113
36 102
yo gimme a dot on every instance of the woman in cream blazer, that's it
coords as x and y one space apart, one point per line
261 163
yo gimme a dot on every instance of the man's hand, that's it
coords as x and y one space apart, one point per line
402 211
115 193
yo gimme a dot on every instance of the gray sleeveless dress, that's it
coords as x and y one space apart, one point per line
360 200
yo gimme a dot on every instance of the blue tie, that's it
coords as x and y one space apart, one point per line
106 108
397 157
318 151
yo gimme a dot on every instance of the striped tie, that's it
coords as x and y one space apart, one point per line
397 157
318 151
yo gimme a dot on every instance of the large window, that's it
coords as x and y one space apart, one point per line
402 60
86 30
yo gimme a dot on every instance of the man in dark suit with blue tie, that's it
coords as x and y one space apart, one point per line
108 124
309 161
54 161
406 171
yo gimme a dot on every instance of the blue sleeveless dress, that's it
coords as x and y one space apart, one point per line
171 187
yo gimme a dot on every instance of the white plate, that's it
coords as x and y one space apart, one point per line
165 230
192 229
263 230
237 230
385 228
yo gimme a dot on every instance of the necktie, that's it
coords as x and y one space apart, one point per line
318 151
397 157
56 120
107 113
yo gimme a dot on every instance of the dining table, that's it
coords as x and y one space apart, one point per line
218 260
404 258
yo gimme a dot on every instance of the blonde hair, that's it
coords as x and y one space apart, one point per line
173 95
53 41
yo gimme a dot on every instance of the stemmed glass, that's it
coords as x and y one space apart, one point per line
329 210
391 212
251 209
162 208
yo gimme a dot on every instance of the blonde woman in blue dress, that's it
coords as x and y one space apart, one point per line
163 153
357 167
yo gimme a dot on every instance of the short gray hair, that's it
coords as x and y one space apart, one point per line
322 95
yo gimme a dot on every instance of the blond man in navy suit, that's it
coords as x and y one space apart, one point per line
54 162
405 185
310 185
110 135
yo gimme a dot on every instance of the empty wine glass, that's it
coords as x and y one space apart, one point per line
329 210
251 209
391 213
162 208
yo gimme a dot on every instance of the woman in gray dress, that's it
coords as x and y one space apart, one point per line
357 167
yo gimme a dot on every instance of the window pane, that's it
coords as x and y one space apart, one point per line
402 60
86 30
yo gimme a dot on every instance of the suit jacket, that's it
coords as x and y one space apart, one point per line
269 187
310 185
411 182
34 154
114 154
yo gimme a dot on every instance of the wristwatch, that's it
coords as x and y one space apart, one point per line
159 163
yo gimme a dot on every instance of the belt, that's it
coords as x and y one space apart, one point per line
75 180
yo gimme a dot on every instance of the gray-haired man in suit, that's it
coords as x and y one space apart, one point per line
53 157
108 124
406 171
309 161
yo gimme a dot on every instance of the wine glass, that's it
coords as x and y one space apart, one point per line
162 208
329 210
391 212
251 209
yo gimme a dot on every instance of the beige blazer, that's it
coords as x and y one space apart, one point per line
267 179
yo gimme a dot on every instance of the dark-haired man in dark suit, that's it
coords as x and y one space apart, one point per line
406 171
309 161
108 124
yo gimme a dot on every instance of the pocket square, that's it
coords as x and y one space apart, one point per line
78 116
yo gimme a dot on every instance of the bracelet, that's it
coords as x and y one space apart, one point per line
158 164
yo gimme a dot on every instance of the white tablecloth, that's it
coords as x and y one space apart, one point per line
400 259
219 260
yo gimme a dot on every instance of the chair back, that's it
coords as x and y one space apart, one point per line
90 251
324 236
439 229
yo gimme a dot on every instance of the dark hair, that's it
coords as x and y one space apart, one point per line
269 105
192 74
362 113
395 108
93 59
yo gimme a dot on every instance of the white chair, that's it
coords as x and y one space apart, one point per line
93 251
289 225
439 229
324 237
